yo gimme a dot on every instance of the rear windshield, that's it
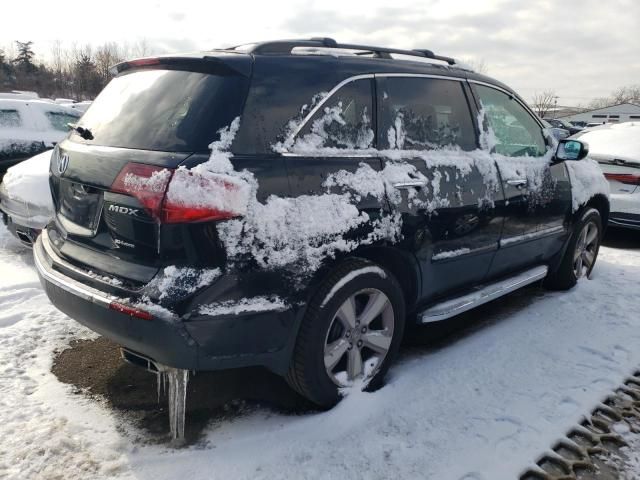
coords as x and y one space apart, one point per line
166 110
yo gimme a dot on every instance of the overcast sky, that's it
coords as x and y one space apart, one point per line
582 49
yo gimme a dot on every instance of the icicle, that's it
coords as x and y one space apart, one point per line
177 402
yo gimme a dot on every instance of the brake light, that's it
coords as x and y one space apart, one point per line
193 197
147 183
132 311
182 195
626 178
143 62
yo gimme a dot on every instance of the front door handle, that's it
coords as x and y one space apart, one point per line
517 182
412 184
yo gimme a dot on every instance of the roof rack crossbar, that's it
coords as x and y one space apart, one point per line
284 47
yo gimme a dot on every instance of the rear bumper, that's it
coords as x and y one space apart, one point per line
625 210
193 341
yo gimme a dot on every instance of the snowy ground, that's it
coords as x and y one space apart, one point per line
484 406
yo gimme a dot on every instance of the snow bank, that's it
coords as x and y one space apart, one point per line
28 181
587 180
236 307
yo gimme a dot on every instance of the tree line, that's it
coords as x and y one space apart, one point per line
544 103
77 72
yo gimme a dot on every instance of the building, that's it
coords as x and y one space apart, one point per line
624 112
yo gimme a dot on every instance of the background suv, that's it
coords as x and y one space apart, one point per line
345 193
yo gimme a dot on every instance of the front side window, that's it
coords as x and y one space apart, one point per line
517 133
424 114
343 121
10 119
59 120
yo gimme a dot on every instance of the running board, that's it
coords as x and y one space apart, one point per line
455 306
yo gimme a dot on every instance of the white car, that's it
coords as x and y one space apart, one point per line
30 126
25 198
616 147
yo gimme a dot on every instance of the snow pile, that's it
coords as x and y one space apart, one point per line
180 281
587 180
28 181
301 231
236 307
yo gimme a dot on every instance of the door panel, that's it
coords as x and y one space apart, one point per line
537 195
449 215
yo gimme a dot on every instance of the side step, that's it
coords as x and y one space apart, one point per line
482 295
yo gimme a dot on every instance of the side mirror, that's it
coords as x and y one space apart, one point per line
571 150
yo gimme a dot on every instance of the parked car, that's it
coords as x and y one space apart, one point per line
25 198
559 123
30 126
616 147
343 196
558 133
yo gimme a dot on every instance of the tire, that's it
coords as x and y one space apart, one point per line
583 245
332 338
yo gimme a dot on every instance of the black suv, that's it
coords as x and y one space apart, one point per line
348 190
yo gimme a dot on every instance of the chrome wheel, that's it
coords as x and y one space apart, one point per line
359 337
586 249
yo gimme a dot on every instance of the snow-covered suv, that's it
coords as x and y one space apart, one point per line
292 204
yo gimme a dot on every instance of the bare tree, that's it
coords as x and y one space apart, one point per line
544 102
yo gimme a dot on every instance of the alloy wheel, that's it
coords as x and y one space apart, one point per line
586 249
359 337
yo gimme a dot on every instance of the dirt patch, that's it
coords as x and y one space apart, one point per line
95 368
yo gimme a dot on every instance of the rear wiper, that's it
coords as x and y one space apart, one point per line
82 131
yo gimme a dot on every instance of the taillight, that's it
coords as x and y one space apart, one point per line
194 196
147 183
182 195
627 178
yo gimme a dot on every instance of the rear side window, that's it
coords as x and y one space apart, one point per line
10 119
59 120
344 120
424 114
166 110
517 133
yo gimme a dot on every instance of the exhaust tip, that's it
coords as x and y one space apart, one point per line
138 360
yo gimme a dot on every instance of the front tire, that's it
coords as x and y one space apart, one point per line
350 333
581 254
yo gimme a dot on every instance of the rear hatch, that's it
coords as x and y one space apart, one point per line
623 174
148 120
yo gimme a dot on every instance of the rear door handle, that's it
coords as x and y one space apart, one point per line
412 184
517 182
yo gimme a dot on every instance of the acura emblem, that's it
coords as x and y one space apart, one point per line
63 163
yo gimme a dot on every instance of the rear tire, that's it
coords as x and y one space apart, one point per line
581 254
351 332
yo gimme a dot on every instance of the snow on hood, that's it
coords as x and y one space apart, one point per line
28 181
620 140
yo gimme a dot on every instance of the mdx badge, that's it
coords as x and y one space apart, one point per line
123 210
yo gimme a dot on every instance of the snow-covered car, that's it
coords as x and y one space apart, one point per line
25 198
31 126
616 147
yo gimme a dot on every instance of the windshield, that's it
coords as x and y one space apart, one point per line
167 110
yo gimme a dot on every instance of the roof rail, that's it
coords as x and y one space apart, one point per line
283 47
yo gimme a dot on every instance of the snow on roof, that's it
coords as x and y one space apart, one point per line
620 140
